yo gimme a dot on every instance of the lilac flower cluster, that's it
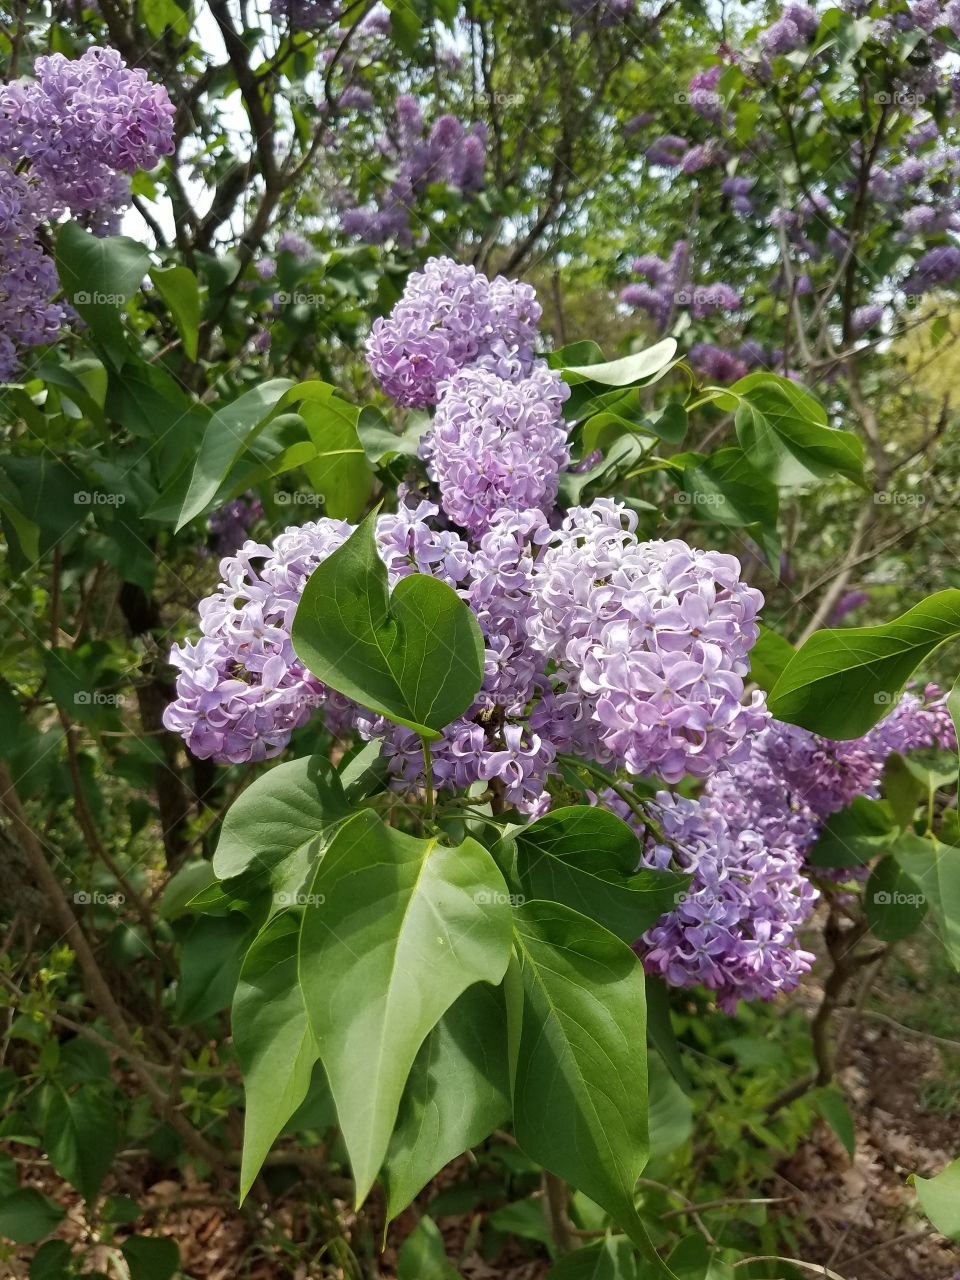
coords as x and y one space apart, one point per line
451 316
497 443
796 26
68 140
735 929
650 641
667 287
229 524
448 153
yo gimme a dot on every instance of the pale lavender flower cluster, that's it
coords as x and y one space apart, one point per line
448 153
497 443
796 26
451 316
68 140
735 930
650 640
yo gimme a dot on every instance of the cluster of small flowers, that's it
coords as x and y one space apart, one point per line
305 15
68 140
449 153
793 780
796 26
229 524
667 288
735 930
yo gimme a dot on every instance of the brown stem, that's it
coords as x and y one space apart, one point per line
555 1200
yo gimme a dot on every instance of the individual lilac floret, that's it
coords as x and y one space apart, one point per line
735 929
653 638
451 316
497 443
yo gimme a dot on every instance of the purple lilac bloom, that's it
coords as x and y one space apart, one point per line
652 638
702 93
941 266
735 930
68 140
738 190
293 242
702 156
497 444
715 364
81 124
634 125
667 151
452 316
847 604
230 524
449 153
865 318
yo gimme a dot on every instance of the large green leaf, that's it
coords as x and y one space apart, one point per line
768 657
670 1118
179 289
226 435
457 1093
27 1215
80 1136
587 858
98 275
935 869
579 1093
274 1043
783 431
893 903
340 471
415 655
396 929
940 1199
151 1257
279 825
642 366
726 487
840 683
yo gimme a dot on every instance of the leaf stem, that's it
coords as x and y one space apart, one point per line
428 776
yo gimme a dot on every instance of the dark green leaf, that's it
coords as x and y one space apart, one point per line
840 683
99 274
853 836
151 1257
612 1259
80 1136
768 657
893 903
423 1256
274 1043
27 1216
395 930
833 1107
415 656
457 1093
179 290
586 858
